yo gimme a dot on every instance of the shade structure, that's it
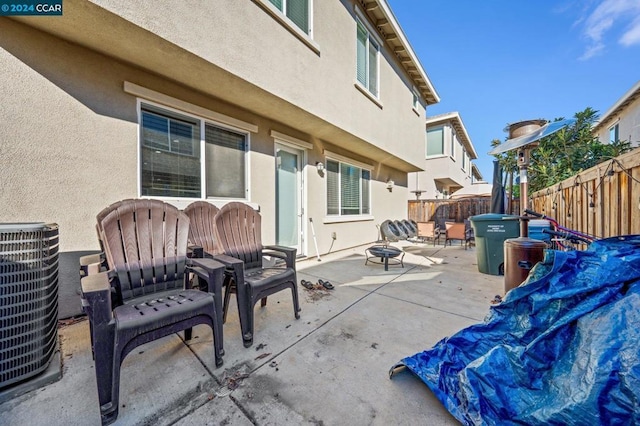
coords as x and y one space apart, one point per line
476 190
529 138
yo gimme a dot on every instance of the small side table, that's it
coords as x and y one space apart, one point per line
385 254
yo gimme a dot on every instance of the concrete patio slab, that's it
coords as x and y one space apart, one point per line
329 367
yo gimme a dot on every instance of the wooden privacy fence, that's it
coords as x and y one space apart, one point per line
451 210
603 201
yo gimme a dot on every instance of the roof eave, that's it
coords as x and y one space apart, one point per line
456 122
631 95
392 33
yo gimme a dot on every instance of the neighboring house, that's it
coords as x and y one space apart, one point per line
621 122
306 109
476 175
447 154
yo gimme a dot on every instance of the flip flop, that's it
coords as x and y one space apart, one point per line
306 284
326 284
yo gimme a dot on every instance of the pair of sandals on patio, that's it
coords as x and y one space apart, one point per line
321 284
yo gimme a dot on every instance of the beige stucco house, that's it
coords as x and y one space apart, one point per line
306 109
446 157
621 122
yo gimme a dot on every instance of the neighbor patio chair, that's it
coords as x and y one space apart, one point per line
428 231
239 234
456 231
145 294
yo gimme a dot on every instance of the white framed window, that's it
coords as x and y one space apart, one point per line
614 133
464 159
297 11
348 189
367 59
186 156
435 141
452 144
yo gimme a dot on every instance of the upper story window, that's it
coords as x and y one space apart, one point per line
184 156
464 159
452 145
296 10
435 141
367 59
348 189
614 134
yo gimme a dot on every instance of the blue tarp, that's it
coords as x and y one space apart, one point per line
563 348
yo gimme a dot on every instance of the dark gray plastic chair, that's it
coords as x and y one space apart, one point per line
238 230
145 294
202 228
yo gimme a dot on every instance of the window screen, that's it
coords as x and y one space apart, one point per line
225 162
435 142
348 189
296 10
366 59
170 157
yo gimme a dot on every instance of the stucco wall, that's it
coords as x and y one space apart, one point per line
239 36
439 167
628 122
69 144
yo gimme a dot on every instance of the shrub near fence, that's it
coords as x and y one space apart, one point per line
451 210
603 201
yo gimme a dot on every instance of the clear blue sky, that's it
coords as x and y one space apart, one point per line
502 61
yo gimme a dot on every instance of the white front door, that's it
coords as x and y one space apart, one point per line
289 196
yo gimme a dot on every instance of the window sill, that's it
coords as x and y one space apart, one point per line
416 111
354 218
436 156
289 25
368 94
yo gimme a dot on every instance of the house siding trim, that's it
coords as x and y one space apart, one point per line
299 143
351 161
169 101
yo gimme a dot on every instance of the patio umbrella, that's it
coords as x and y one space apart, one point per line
482 189
497 191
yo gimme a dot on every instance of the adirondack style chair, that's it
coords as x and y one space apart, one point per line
202 227
145 293
238 230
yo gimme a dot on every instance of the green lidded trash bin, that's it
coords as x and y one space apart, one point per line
490 232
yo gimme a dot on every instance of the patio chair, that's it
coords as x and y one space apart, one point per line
428 231
238 229
93 263
411 232
456 231
470 235
202 227
390 232
202 236
145 295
